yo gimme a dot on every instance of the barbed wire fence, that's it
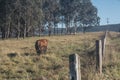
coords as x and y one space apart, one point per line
101 55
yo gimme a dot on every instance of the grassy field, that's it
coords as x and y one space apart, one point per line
19 61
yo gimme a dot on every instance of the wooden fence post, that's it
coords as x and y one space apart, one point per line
104 43
103 46
99 56
74 66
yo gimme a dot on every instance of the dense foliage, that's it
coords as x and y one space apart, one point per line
22 18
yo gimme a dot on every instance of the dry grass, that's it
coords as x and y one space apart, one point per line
18 59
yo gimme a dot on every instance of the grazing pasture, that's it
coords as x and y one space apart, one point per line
19 60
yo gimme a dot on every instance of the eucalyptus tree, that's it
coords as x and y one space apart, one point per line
5 17
79 12
56 14
88 16
76 13
19 17
39 16
51 14
66 12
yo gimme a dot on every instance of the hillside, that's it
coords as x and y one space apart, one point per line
110 27
19 61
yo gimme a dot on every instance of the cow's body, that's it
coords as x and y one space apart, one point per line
41 46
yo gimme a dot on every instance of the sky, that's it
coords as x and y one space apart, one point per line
108 11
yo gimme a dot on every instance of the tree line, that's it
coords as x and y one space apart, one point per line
23 18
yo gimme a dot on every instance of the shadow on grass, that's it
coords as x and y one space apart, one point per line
12 55
29 54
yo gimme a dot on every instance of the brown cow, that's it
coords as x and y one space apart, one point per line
41 46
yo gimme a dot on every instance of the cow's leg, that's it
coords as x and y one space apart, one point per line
45 49
38 52
38 49
41 49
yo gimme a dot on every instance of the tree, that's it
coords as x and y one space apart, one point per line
22 18
19 17
51 14
66 12
89 16
79 12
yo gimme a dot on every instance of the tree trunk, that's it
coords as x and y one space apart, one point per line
24 34
18 28
3 32
54 29
62 29
18 35
75 28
